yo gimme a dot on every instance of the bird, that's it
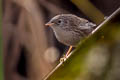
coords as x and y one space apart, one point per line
70 29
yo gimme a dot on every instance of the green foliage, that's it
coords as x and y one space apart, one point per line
79 67
1 47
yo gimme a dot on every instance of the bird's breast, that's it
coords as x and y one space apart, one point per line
69 38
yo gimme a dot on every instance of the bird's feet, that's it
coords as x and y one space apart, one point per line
66 55
105 17
63 58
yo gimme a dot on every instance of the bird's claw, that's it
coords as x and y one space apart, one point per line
63 58
105 17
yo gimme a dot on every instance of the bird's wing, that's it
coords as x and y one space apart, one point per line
87 28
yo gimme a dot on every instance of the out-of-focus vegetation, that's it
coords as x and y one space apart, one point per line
89 10
1 46
95 58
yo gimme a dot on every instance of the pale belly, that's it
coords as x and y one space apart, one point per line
68 38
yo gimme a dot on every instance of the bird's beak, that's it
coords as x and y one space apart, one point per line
49 24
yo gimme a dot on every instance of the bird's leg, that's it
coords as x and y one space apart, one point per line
65 56
69 50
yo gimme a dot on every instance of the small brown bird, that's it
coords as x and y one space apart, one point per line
70 29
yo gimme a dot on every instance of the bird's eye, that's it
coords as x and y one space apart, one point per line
59 21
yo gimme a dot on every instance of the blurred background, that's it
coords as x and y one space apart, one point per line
30 50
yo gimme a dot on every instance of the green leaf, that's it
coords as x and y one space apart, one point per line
1 46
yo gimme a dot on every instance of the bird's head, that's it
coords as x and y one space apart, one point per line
63 21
